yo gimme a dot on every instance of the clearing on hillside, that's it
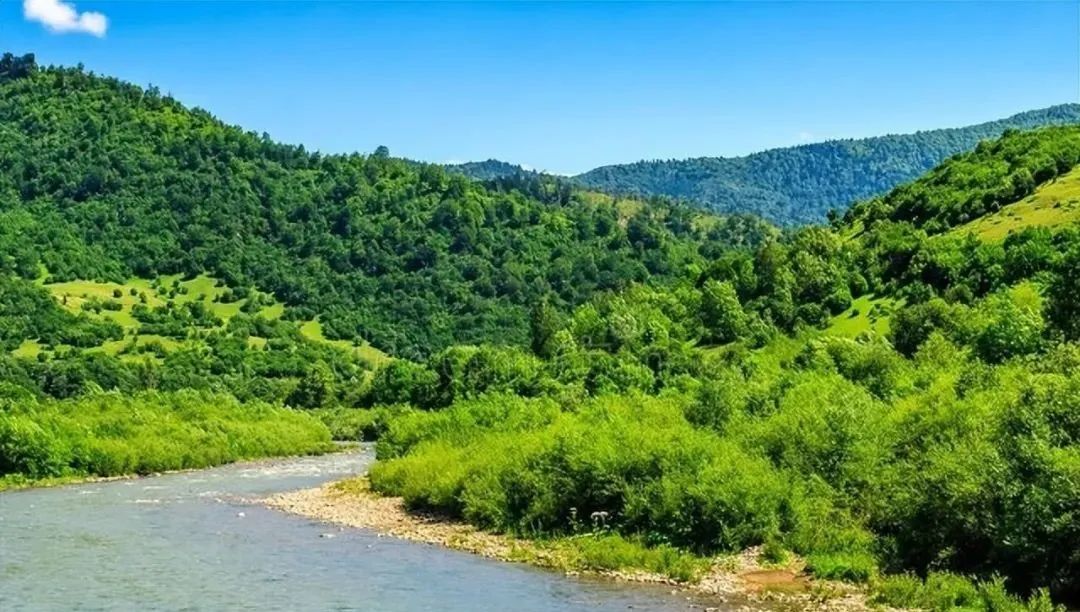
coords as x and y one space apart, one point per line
1053 204
866 314
115 302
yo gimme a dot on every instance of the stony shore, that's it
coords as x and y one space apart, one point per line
741 579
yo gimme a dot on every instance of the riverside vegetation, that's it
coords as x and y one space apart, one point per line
892 398
110 434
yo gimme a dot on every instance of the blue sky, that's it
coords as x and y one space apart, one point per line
567 87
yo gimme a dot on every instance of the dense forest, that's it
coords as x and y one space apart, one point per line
889 397
799 185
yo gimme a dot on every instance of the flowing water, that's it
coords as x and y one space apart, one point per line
198 541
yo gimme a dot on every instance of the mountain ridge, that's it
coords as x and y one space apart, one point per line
799 184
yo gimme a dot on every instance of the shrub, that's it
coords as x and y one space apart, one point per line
355 424
633 465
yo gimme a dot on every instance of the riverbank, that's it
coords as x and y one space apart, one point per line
744 579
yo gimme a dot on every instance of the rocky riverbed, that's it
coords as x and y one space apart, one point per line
743 580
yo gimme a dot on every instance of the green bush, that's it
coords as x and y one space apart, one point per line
630 464
962 465
29 449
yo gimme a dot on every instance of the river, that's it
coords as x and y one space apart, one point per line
199 541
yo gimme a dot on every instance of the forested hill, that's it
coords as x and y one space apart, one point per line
978 183
801 184
488 170
104 180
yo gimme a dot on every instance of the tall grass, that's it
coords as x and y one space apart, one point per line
942 591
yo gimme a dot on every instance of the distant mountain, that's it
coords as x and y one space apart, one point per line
793 185
797 185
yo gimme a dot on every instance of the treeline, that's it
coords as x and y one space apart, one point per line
100 179
799 185
488 170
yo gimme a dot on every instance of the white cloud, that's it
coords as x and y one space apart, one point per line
805 136
61 17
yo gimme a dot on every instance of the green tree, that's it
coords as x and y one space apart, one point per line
315 389
1011 328
1063 296
721 313
544 322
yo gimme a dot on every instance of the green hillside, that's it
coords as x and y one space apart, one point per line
122 182
138 305
980 183
798 185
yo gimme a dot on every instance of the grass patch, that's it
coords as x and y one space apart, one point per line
312 330
115 301
29 349
866 314
273 312
74 295
13 482
615 553
846 566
